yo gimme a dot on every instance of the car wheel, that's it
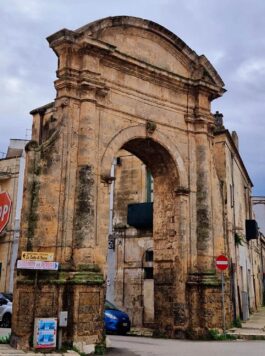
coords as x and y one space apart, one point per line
6 321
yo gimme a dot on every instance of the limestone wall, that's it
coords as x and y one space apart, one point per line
127 83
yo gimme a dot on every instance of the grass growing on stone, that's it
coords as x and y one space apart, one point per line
100 349
214 334
237 323
5 339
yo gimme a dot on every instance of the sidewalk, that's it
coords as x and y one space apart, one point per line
8 350
252 329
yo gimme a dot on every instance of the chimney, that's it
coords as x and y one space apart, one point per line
218 118
235 139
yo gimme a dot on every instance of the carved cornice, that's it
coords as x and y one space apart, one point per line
110 56
92 29
157 75
95 47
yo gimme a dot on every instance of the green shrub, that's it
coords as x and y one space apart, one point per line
215 335
5 339
237 323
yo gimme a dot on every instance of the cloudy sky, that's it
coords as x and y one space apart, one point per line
231 33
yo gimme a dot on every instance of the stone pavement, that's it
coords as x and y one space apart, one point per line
8 350
252 329
141 332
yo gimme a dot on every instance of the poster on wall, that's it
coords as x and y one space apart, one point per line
45 330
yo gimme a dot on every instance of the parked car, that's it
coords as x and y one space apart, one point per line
116 321
5 311
8 296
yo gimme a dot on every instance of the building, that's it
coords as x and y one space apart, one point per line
243 245
125 83
11 181
259 211
258 203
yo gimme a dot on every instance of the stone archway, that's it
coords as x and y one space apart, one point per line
156 151
141 132
123 82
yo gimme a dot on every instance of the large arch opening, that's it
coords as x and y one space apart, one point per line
142 258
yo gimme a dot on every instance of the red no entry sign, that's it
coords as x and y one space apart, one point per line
221 262
5 209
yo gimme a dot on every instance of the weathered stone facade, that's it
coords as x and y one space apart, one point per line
123 83
245 271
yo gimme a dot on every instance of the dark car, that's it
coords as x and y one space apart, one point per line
116 321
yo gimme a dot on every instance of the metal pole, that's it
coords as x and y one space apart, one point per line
223 301
60 338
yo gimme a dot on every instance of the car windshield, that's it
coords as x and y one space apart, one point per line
8 296
110 306
5 296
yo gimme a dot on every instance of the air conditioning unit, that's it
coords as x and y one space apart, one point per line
140 215
252 230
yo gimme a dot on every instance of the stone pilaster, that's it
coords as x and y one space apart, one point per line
204 196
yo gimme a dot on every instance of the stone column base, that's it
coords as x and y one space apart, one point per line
205 304
81 294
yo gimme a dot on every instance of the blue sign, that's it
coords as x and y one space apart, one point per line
45 333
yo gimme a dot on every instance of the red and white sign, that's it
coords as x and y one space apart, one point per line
221 262
5 210
37 265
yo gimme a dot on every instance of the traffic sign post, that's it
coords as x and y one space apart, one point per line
221 263
38 261
5 209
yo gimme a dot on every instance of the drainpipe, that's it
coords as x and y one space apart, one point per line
262 266
234 269
112 175
111 252
16 233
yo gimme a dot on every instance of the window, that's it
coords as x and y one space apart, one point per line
149 187
149 256
148 273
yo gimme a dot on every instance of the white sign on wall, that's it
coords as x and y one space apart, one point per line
37 265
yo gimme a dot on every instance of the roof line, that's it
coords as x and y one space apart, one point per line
227 133
42 109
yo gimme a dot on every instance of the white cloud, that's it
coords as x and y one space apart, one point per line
31 9
216 56
12 85
251 70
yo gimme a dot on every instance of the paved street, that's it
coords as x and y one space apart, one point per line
141 346
5 331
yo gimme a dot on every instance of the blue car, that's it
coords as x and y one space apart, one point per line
116 321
